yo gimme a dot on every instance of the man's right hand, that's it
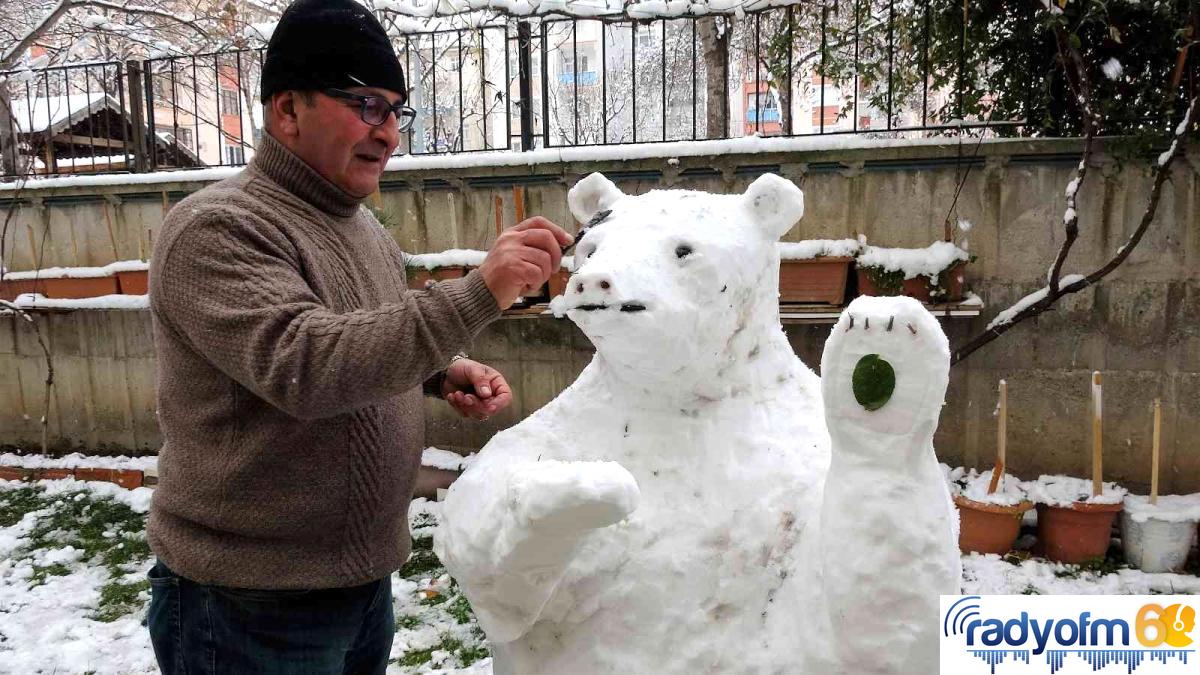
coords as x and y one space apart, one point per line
523 258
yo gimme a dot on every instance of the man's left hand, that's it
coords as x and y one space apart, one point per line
475 390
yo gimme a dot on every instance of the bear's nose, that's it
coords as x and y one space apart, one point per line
600 283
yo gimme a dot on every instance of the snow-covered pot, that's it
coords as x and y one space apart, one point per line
1155 545
1157 537
988 528
1075 533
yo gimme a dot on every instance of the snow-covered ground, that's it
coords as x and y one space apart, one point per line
73 557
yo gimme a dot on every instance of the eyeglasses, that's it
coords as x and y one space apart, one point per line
374 109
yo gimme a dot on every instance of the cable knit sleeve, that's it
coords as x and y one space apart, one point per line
233 289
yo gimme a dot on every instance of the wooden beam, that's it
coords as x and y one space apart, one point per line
94 141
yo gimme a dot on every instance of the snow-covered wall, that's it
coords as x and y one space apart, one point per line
1142 327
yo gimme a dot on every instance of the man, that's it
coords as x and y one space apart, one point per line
291 364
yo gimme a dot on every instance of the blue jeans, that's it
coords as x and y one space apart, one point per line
200 629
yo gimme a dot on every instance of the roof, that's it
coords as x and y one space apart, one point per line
57 113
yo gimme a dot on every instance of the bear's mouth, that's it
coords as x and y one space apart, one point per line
624 307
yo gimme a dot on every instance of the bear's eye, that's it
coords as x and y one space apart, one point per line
683 251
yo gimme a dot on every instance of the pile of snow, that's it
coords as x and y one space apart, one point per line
819 248
929 261
436 458
76 460
455 257
1065 490
973 485
79 272
1171 508
123 302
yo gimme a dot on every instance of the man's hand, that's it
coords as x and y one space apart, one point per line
475 390
523 258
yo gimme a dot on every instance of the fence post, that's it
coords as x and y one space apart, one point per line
525 84
137 113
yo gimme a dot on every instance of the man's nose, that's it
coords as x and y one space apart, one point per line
387 133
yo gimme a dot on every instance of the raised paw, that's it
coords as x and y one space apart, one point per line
557 497
885 368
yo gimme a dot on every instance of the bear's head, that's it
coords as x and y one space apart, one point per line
675 286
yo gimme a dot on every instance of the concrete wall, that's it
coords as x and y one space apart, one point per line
1141 327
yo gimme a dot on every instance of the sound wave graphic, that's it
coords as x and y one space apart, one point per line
993 657
954 622
1131 658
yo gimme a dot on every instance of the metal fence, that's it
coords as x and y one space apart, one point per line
854 67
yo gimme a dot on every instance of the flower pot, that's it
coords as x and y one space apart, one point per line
814 280
988 528
134 283
1155 545
10 289
89 287
419 277
920 287
1075 533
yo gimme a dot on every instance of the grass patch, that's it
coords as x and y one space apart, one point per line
422 562
104 531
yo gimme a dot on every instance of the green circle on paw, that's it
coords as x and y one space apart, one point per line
873 382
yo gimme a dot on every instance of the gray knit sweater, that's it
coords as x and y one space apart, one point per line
290 363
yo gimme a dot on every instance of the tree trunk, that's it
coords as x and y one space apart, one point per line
714 39
8 136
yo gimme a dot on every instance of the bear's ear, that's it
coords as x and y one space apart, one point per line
775 204
592 195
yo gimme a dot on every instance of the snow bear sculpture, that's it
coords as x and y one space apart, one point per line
664 513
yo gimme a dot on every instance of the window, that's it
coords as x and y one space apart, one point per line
234 154
185 137
229 102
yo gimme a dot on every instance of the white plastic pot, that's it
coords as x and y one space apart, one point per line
1154 545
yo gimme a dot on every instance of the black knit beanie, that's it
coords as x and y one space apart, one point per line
319 44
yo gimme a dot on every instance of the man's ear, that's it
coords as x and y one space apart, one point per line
283 109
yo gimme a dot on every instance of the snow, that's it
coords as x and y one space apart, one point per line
455 257
973 485
1057 490
1171 508
1072 188
1112 69
190 175
79 272
99 161
929 261
681 491
76 460
122 302
55 111
816 248
1006 316
990 574
436 458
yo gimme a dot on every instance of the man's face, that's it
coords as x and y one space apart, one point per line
332 138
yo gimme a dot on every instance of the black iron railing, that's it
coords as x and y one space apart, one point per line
876 67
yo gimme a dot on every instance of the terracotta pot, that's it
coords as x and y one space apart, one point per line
558 282
134 283
54 474
418 277
10 289
91 287
1077 533
15 473
88 473
919 287
988 528
815 280
431 479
